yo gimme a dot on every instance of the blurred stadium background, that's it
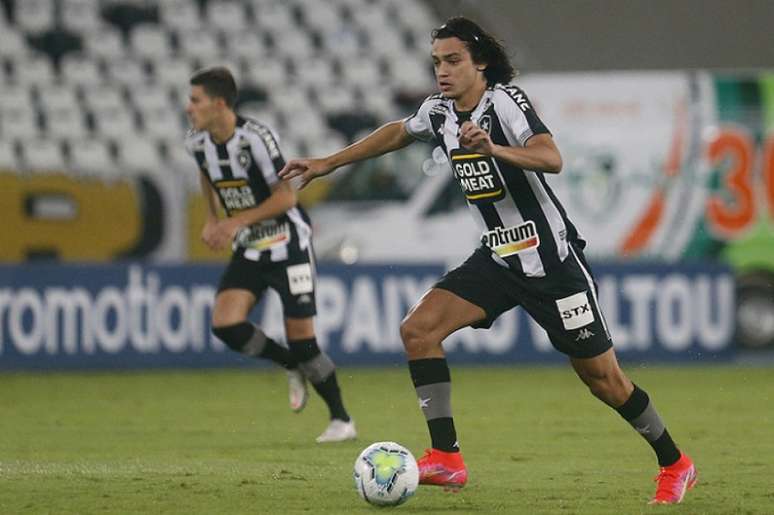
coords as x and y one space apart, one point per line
663 111
666 134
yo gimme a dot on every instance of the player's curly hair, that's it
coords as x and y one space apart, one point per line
217 82
484 48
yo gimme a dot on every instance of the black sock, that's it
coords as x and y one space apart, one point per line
432 383
640 413
245 338
329 390
321 372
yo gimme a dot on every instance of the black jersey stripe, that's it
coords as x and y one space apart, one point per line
527 204
224 163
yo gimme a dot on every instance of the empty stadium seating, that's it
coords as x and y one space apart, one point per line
91 86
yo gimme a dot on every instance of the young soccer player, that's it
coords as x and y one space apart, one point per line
271 238
531 253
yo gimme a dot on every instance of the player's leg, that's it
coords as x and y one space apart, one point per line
230 324
318 368
437 315
608 383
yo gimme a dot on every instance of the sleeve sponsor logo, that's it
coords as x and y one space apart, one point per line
264 235
236 194
575 311
478 176
507 241
300 279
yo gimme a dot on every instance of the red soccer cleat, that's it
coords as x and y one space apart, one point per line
674 480
442 469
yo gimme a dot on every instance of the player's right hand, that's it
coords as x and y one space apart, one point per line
306 169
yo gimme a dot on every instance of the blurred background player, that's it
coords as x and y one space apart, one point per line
271 239
531 254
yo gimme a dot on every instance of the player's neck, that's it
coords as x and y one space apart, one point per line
223 128
470 99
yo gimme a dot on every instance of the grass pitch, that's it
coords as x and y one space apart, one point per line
225 442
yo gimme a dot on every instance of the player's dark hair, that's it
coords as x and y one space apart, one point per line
484 48
217 82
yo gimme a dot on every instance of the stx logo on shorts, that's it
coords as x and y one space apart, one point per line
236 194
575 311
507 241
477 176
300 279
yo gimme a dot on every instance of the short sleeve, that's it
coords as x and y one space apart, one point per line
418 124
266 151
517 114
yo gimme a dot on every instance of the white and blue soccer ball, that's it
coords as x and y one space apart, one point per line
386 474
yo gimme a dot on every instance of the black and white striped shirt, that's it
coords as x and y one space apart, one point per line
243 171
521 219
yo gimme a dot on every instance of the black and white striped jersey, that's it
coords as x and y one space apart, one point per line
521 219
243 171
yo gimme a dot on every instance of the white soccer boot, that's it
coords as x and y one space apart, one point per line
338 431
297 392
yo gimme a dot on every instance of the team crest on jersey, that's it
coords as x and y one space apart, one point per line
485 123
236 194
507 241
244 158
478 176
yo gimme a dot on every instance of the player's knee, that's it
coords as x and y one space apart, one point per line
235 336
414 332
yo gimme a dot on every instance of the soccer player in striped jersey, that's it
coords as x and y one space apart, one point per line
531 253
271 239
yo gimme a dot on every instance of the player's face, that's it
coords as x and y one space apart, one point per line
455 71
201 108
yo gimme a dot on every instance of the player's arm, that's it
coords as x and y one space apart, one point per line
538 153
210 229
387 138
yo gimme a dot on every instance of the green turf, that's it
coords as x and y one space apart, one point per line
225 442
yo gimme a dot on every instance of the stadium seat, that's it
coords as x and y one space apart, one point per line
80 69
274 16
361 72
321 16
106 43
103 97
140 154
92 157
317 72
226 15
42 155
19 124
150 97
65 122
128 71
35 15
163 123
342 40
202 45
9 160
81 16
32 69
13 42
294 44
290 100
54 96
180 15
114 123
336 100
15 97
173 72
245 45
150 41
270 74
379 101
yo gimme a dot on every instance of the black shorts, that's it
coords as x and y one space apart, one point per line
294 280
564 302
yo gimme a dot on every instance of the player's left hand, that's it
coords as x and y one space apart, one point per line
475 138
223 233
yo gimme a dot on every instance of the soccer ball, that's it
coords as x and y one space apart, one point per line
386 474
